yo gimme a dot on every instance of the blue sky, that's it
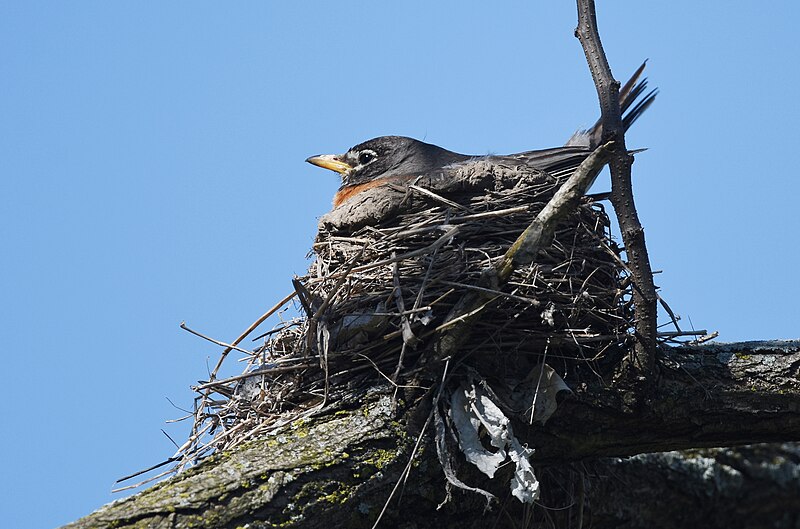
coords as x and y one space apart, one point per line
151 172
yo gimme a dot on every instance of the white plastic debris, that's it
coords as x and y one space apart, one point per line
467 426
471 407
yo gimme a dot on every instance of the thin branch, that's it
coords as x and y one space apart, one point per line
230 347
644 295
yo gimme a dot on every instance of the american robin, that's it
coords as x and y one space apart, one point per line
397 159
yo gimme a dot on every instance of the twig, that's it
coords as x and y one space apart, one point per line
529 301
704 339
542 365
146 470
143 482
250 329
676 334
405 325
267 371
230 347
441 199
381 373
490 214
672 315
464 317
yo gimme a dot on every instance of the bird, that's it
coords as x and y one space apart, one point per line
398 159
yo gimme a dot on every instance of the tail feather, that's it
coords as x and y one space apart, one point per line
633 88
640 106
560 162
630 104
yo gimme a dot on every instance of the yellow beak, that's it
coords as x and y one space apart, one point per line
330 161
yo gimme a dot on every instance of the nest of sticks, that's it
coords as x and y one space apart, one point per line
389 266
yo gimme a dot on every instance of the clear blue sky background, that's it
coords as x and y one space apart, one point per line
151 171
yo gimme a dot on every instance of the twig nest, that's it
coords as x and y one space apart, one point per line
415 250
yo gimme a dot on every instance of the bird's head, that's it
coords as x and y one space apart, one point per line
385 157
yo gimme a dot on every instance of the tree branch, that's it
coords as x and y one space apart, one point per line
708 396
338 468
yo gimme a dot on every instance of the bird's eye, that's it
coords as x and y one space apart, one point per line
365 157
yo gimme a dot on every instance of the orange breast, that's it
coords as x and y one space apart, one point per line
350 191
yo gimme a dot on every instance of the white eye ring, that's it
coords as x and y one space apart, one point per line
365 157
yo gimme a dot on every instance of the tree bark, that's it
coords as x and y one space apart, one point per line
753 487
338 468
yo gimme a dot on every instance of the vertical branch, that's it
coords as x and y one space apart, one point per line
644 294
